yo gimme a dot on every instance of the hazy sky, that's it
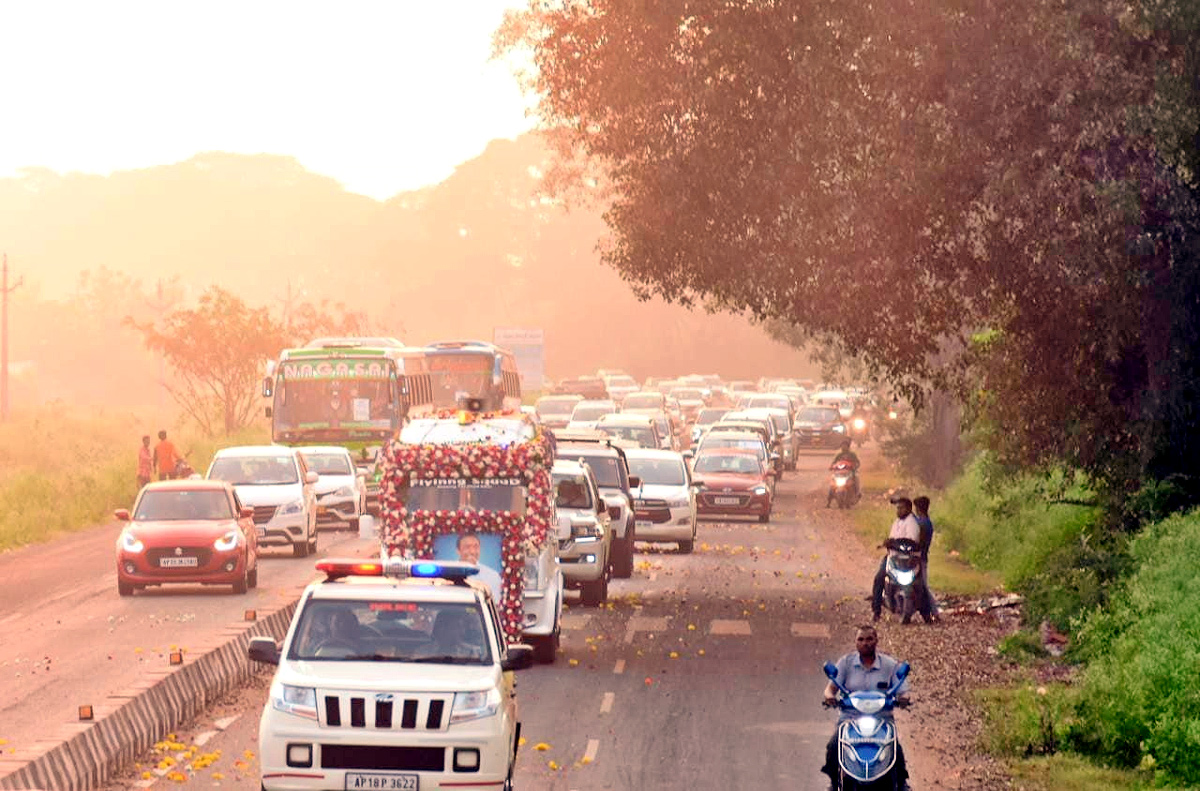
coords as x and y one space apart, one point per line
382 95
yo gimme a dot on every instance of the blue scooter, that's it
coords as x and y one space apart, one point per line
867 743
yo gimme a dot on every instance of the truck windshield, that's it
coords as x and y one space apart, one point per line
467 494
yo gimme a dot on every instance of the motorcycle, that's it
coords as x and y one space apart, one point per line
903 585
843 484
867 743
858 428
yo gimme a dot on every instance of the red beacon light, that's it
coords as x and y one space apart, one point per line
337 569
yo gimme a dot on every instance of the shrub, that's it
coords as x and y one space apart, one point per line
1022 646
1025 720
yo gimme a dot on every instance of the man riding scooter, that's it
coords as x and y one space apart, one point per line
851 458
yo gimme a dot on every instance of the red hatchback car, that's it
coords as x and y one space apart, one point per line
190 531
734 483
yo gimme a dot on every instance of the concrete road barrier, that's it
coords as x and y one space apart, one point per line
86 755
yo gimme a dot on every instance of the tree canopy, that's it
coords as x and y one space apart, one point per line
998 198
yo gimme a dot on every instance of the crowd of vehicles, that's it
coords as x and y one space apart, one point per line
489 515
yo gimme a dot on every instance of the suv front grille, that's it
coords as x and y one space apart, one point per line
264 514
353 756
383 711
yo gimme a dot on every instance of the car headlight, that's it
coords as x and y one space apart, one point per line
300 701
533 576
294 507
226 542
474 705
839 428
760 490
131 543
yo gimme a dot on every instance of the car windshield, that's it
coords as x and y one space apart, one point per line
774 402
659 472
709 416
643 401
590 412
255 470
571 491
329 463
558 407
343 630
605 468
642 435
168 505
727 463
818 415
687 394
717 441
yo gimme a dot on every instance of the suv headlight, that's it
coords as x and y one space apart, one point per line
533 576
300 701
345 491
131 543
226 542
474 705
294 507
760 490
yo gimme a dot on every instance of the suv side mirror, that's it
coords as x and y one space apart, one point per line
311 477
263 649
634 481
520 657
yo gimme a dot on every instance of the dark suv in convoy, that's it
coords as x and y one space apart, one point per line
607 461
592 388
820 427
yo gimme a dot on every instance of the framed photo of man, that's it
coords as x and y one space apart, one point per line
482 549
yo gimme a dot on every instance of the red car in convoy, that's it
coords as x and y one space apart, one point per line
735 482
190 531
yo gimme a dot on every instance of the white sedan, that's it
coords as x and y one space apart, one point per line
665 503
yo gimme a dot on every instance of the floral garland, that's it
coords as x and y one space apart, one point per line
412 533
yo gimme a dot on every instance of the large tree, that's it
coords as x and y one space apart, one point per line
992 197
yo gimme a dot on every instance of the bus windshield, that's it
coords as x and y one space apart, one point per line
334 403
459 374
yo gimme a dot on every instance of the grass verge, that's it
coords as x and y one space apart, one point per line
1071 773
65 471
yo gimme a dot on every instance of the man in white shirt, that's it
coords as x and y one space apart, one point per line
469 550
905 527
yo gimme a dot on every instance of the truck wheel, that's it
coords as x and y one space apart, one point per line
595 593
622 561
545 648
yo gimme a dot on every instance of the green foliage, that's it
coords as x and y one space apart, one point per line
1139 703
1056 555
1023 646
1028 720
1064 772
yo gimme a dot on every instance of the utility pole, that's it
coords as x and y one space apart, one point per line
5 290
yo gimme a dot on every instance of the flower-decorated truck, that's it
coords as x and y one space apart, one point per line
477 487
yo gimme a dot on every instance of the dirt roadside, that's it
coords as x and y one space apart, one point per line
950 660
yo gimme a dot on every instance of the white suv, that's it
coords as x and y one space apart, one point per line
276 482
665 503
393 676
341 488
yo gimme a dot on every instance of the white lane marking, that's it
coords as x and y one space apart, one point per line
203 738
224 723
607 704
644 623
589 754
819 631
619 668
729 627
575 621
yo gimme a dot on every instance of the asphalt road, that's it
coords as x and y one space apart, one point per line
704 674
67 638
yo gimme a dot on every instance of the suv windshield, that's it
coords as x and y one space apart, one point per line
571 492
709 416
606 468
390 631
329 463
643 401
255 470
642 435
819 415
658 472
556 406
728 463
590 412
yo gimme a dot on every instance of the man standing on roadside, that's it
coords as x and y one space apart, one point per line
145 464
905 527
921 513
166 457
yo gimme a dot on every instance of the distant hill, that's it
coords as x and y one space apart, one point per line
453 260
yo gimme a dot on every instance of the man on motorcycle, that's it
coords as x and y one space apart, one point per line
862 670
846 455
906 527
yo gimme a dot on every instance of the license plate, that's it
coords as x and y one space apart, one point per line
175 563
644 523
727 500
262 531
358 781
